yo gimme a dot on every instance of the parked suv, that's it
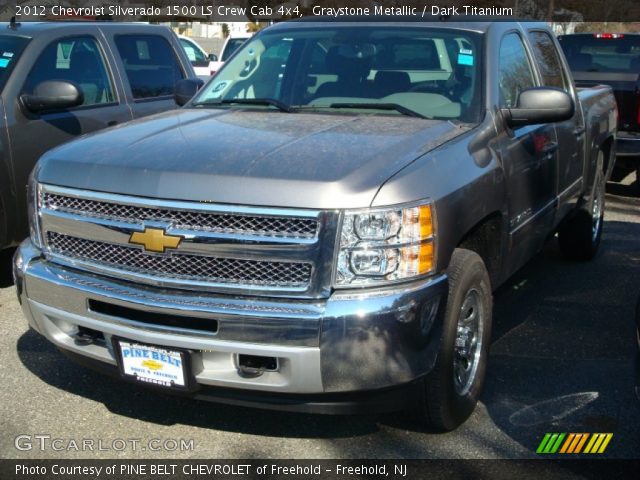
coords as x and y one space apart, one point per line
59 80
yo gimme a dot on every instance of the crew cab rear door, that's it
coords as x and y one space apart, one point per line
529 155
570 133
79 56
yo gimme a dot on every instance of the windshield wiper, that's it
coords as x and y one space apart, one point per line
283 107
379 106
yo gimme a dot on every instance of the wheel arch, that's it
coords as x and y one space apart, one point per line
486 238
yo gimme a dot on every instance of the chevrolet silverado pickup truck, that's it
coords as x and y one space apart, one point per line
612 59
371 185
59 80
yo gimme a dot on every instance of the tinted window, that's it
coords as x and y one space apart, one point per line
150 64
11 47
515 74
420 54
611 53
548 60
78 60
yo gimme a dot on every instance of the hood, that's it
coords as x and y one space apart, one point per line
247 157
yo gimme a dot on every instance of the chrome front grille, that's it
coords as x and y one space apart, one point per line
181 266
230 248
231 223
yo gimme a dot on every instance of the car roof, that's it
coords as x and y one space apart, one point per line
480 24
32 28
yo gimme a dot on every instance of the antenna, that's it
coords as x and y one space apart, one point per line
13 25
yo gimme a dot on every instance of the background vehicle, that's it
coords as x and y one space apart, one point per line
231 44
200 60
60 80
371 185
612 59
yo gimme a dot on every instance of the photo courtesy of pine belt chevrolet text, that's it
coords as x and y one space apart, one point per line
321 227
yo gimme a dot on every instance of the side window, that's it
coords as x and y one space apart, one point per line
547 56
78 60
150 64
193 53
515 73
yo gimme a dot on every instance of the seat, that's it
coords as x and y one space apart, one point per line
351 73
389 82
459 84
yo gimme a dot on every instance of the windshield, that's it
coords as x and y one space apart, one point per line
605 53
11 46
232 45
432 73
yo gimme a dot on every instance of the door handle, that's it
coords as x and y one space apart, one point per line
112 123
578 132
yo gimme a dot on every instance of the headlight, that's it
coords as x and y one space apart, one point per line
33 201
384 245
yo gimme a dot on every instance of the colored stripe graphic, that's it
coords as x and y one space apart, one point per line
598 443
574 443
550 443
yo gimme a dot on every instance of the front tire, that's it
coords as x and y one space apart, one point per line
579 237
452 388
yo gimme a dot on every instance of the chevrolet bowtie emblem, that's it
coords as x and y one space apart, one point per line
155 240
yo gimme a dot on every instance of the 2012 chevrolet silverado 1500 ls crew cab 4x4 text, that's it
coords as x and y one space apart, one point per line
370 185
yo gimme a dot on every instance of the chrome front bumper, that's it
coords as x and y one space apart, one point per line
352 341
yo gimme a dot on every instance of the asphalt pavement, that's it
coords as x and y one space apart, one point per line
561 361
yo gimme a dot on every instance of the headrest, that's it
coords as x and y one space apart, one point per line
340 60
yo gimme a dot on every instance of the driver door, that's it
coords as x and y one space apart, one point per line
529 157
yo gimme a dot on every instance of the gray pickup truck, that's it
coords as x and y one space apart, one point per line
321 227
60 80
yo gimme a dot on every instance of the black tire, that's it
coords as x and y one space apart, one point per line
3 226
446 403
579 236
637 369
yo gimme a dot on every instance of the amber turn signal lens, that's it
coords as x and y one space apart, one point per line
426 222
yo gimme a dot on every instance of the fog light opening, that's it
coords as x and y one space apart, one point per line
87 336
254 365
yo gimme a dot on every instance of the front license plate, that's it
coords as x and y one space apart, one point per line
153 365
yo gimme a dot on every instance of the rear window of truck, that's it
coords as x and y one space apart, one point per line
602 53
11 46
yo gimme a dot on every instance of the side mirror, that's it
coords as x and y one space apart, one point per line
53 95
186 89
540 105
213 57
